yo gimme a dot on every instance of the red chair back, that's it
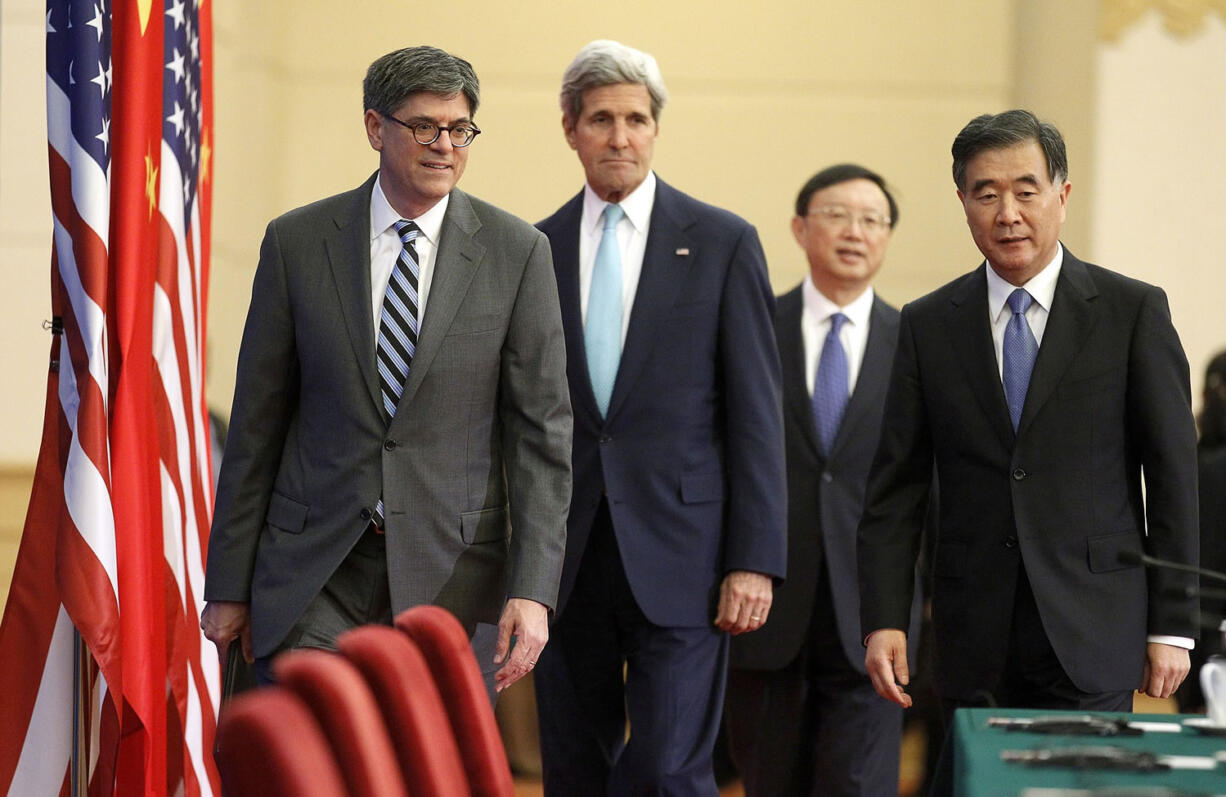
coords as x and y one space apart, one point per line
346 710
269 744
412 709
447 650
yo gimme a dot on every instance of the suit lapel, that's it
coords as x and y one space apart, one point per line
873 378
455 263
1069 321
564 241
971 346
666 261
348 252
796 399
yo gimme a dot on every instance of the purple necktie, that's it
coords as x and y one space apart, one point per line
1020 350
830 386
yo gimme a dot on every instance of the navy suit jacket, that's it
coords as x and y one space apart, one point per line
825 497
1109 399
691 453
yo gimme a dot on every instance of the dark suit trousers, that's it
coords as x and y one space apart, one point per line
356 594
1033 676
605 664
815 727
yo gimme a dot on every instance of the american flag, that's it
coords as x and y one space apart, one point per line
116 531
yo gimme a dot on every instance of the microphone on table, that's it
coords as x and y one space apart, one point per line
1136 558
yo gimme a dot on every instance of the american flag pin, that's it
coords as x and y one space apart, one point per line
684 251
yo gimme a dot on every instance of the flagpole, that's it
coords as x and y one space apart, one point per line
80 689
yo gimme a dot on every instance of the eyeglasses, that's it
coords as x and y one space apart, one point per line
426 133
839 217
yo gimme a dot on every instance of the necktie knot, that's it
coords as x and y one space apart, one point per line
407 230
1020 301
612 215
836 323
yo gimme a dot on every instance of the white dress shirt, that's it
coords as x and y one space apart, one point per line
1042 288
631 240
385 248
815 325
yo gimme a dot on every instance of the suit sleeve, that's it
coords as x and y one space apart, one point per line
537 428
897 501
756 519
265 398
1160 420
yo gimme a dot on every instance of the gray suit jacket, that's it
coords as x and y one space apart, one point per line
474 469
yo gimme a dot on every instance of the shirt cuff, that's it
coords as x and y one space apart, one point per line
1187 643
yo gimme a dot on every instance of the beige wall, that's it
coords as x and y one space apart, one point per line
763 95
1160 167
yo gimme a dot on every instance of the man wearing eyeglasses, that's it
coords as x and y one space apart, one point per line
400 404
676 530
801 713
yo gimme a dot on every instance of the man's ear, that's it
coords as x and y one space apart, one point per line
568 130
374 129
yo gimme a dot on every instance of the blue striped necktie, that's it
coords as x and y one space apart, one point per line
602 330
1018 354
398 328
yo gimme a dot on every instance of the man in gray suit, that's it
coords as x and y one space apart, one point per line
382 456
801 713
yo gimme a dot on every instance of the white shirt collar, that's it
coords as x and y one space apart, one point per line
383 216
637 206
1041 287
821 308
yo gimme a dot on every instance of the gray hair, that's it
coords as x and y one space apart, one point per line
392 78
604 63
1007 129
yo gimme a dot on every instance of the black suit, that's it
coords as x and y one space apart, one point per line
1051 506
800 708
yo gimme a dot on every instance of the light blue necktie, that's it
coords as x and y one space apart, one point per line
1019 351
830 386
602 331
398 328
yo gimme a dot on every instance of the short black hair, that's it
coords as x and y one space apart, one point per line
1008 129
842 173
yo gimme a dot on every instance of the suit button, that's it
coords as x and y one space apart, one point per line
1010 542
1018 474
365 513
604 438
390 445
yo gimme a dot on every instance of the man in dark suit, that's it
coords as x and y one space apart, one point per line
676 528
401 425
1042 389
801 713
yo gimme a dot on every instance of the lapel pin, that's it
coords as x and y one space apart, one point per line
684 251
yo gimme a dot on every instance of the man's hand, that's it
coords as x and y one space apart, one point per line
886 661
1165 668
744 601
222 621
528 622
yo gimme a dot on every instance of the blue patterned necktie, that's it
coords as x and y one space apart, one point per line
830 386
1019 352
602 330
398 328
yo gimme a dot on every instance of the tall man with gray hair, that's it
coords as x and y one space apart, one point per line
401 425
677 527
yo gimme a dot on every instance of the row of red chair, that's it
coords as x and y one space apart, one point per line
396 713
